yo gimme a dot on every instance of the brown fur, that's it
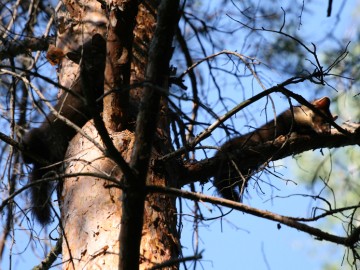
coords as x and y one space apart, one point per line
230 181
51 139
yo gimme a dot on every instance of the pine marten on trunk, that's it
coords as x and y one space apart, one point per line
51 139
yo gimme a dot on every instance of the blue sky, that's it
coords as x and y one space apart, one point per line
246 242
241 241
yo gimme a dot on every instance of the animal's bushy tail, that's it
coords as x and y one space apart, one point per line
41 195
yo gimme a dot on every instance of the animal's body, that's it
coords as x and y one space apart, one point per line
231 179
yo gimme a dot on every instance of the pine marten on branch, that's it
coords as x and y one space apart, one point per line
231 178
51 139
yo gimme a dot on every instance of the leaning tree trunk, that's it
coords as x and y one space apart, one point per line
91 199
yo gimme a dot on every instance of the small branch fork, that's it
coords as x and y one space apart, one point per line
316 77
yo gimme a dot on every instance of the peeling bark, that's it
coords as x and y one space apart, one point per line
91 211
92 208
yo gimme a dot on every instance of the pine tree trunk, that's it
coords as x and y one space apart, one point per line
91 207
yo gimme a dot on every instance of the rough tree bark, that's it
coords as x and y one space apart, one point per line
91 206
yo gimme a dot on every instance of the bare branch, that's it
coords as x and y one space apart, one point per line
25 46
274 150
348 241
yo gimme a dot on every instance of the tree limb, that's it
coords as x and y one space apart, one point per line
274 150
348 241
25 46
